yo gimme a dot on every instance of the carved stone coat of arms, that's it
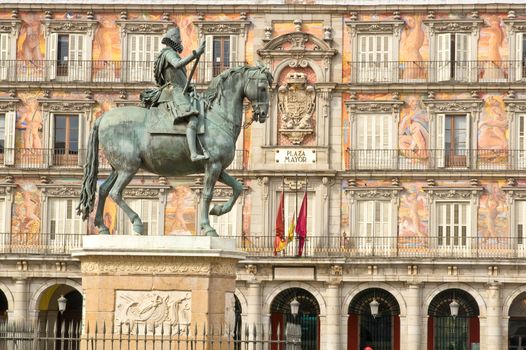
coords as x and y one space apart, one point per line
296 103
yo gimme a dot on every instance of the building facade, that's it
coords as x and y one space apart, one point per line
404 126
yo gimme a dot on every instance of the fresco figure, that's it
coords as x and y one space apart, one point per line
414 135
32 128
30 38
492 126
411 41
494 69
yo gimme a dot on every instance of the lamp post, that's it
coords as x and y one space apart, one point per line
293 330
374 307
62 304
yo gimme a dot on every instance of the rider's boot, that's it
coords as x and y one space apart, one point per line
191 136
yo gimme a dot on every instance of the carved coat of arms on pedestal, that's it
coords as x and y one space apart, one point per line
296 103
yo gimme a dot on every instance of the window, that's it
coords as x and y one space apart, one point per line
452 56
374 58
520 220
4 55
374 225
520 55
7 132
68 55
374 140
62 217
521 140
453 220
142 49
2 133
66 139
221 54
452 140
148 211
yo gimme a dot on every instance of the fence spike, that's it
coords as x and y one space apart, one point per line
96 328
104 329
55 329
87 329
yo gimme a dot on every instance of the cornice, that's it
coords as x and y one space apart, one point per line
373 106
460 105
453 25
11 26
451 192
374 193
515 25
515 104
55 105
232 27
143 27
69 26
8 104
374 27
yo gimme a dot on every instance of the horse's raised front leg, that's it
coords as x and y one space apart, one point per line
212 172
123 179
237 189
104 189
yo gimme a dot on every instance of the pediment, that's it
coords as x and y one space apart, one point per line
297 42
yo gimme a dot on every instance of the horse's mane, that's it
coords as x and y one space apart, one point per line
213 93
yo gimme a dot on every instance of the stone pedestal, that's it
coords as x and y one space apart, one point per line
168 280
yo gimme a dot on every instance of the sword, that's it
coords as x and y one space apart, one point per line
191 74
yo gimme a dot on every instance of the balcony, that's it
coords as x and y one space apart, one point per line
39 243
135 72
435 160
351 247
382 72
411 247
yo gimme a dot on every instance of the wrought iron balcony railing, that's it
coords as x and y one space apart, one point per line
435 159
389 247
97 71
41 158
39 243
444 247
380 72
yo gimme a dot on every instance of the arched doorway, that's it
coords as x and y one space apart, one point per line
517 323
308 317
445 332
3 306
381 332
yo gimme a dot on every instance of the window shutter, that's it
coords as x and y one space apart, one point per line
9 138
440 140
521 139
443 62
52 55
82 146
133 60
234 55
462 64
468 139
76 64
4 55
49 139
520 220
520 65
209 57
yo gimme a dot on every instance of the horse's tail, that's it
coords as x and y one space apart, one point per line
91 168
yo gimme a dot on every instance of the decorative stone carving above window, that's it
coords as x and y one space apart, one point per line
453 193
515 25
514 192
147 192
222 28
70 26
515 105
451 106
296 103
374 193
354 107
75 106
143 27
11 26
8 104
59 190
376 27
453 25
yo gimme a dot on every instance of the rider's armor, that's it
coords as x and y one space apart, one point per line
170 73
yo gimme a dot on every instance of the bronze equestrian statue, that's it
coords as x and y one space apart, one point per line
125 140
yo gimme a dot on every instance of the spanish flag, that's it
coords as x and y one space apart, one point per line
292 226
279 241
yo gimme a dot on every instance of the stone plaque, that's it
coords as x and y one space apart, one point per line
296 156
149 310
294 273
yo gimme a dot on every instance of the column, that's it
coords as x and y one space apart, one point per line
412 340
333 316
493 324
20 296
254 305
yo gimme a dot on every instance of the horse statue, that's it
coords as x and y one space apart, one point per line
128 146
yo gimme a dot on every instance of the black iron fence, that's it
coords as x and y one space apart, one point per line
445 246
70 335
435 159
100 71
374 72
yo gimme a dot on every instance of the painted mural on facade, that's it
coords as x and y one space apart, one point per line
25 220
180 213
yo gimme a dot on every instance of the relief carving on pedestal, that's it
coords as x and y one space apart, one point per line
296 102
147 311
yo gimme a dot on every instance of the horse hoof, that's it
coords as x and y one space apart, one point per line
210 232
216 210
138 229
104 231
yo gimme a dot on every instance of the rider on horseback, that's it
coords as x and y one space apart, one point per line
170 75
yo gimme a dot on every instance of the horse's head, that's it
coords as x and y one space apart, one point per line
257 92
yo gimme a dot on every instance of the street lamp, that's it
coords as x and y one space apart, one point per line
62 304
453 307
294 307
374 307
